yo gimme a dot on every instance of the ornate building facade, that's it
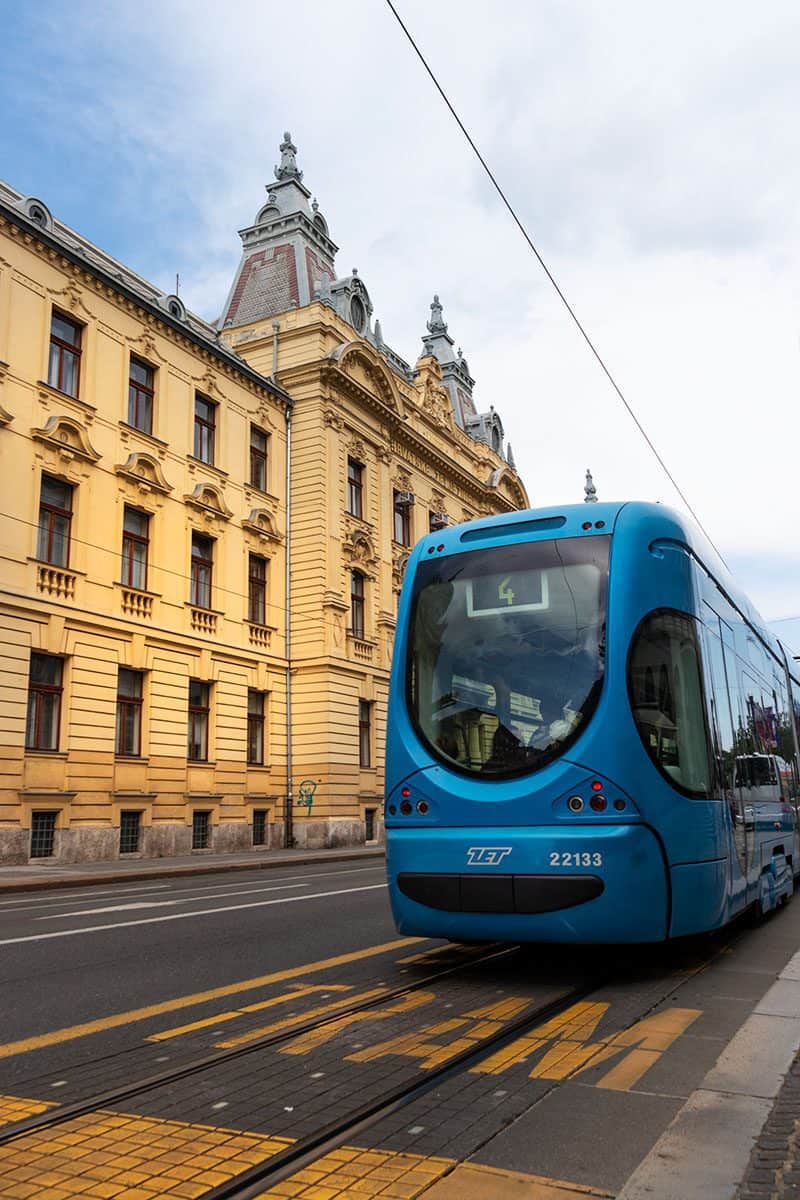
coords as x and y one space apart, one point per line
206 532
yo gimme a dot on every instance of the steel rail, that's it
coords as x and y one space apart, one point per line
255 1180
116 1095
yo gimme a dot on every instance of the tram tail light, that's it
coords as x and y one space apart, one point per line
598 803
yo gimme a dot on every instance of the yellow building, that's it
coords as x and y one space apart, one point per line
189 663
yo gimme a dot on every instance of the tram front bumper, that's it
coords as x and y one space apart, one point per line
588 884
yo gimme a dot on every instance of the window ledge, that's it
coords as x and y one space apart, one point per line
198 462
251 487
131 758
49 390
40 562
148 437
45 754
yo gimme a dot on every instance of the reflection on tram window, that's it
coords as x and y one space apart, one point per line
506 652
666 691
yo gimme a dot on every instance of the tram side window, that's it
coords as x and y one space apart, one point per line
666 692
723 730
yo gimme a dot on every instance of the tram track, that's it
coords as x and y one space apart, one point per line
353 1122
250 1184
114 1096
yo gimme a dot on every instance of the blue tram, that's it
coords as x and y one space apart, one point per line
592 736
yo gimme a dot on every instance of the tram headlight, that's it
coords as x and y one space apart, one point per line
575 804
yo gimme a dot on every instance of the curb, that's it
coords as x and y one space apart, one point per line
705 1152
37 885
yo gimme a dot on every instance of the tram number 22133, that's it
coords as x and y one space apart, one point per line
576 858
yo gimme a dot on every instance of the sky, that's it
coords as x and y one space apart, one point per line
651 152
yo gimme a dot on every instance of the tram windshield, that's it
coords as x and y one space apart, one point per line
506 652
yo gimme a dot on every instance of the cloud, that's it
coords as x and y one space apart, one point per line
651 152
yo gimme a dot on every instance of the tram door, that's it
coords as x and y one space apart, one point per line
723 731
750 780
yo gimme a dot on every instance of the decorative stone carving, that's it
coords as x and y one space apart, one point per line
399 564
145 472
68 438
288 168
333 420
356 448
208 498
261 525
402 480
367 369
359 551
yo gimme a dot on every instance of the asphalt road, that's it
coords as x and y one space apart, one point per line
80 955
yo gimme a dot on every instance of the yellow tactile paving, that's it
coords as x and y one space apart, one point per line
115 1156
471 1181
16 1108
352 1174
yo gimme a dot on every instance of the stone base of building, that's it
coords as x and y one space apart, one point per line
101 844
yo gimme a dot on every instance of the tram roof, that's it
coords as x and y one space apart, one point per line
568 520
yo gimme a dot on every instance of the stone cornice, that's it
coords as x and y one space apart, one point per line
18 226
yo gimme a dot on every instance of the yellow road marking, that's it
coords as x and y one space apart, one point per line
572 1053
420 1044
71 1032
302 989
287 1022
307 1042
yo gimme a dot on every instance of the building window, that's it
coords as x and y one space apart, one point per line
198 721
402 520
257 590
364 733
258 458
135 543
129 713
140 396
43 831
369 824
55 520
44 702
64 366
255 728
355 488
201 823
260 826
201 570
357 604
205 428
130 826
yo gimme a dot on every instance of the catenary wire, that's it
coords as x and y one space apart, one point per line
547 271
153 566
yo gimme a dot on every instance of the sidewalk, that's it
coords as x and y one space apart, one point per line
33 877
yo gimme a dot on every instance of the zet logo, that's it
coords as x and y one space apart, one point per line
486 856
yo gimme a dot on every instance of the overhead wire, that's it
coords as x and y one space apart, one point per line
155 567
518 222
